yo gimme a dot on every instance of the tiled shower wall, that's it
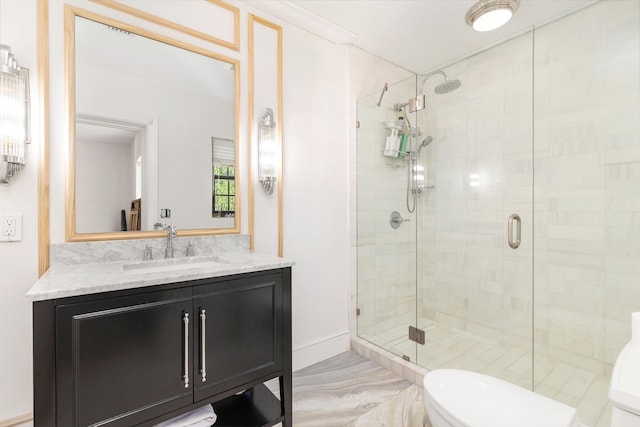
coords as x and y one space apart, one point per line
587 184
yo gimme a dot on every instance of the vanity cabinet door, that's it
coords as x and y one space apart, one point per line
122 360
238 332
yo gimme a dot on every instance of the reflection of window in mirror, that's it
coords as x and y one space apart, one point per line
224 181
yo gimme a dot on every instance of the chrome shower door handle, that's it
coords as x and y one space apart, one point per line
514 244
203 343
185 321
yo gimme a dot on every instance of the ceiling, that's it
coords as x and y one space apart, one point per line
421 35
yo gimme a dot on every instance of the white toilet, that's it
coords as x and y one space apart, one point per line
457 398
624 392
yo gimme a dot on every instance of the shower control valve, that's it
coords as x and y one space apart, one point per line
396 220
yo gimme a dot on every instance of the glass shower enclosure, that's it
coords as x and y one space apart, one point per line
516 252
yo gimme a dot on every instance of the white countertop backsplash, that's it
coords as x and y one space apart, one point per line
132 250
92 267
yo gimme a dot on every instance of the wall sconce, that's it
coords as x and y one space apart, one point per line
14 115
267 152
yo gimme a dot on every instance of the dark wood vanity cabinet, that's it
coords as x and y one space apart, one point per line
122 355
239 332
141 356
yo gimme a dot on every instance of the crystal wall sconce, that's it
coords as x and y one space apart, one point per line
14 115
267 152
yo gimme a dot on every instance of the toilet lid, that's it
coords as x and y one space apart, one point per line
476 400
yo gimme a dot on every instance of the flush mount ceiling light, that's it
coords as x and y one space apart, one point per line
487 15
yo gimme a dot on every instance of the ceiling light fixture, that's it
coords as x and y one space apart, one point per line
487 15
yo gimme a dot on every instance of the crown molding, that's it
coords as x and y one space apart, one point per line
296 15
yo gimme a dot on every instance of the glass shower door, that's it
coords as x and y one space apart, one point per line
386 229
475 283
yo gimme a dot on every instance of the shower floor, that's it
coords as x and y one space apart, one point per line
448 347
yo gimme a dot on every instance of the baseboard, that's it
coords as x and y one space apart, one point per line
317 351
20 419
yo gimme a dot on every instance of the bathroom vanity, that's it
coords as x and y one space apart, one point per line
124 344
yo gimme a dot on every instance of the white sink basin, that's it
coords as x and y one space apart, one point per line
172 264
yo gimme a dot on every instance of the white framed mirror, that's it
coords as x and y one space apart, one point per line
145 111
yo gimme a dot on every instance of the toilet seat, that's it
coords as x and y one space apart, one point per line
470 399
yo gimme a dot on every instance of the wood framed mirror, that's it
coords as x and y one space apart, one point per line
143 111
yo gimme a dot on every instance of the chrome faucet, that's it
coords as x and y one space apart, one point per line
171 233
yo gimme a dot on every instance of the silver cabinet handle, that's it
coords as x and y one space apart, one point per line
514 244
203 338
185 321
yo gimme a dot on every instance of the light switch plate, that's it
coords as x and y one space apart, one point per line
10 227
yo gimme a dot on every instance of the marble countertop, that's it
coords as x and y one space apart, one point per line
80 279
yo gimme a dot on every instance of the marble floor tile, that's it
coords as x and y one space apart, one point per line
405 409
339 390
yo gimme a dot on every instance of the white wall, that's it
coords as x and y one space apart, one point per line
103 192
19 260
316 192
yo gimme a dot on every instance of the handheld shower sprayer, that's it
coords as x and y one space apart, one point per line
413 185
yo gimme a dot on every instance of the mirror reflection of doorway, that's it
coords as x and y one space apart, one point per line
110 174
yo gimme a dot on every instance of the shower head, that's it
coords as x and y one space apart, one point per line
444 87
447 86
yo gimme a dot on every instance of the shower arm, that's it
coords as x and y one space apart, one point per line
429 75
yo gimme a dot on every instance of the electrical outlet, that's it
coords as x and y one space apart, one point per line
10 227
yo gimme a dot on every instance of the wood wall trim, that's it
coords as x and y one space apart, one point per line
253 20
43 131
233 44
250 125
71 235
69 100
